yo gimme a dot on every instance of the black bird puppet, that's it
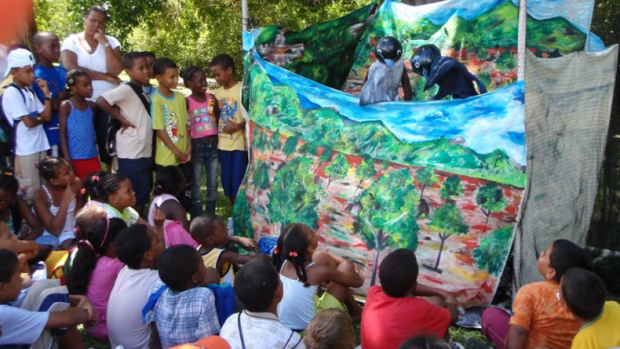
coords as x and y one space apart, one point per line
451 75
386 74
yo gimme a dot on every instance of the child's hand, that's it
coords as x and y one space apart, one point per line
43 86
159 217
247 243
125 125
181 158
113 79
69 193
230 128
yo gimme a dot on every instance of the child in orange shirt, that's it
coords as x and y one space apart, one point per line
539 318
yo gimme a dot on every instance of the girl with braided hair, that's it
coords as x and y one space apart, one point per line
303 269
96 267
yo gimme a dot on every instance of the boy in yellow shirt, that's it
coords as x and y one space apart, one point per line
583 295
232 141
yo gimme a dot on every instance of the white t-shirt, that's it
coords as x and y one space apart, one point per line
21 326
132 143
128 298
95 61
28 140
260 330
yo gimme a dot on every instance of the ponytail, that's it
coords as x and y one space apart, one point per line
295 243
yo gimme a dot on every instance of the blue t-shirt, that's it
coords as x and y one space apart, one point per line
56 81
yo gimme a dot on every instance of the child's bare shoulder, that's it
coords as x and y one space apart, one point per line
322 257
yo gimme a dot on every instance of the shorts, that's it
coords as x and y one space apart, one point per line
85 167
139 173
27 174
327 301
233 164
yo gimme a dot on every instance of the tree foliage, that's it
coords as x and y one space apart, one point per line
290 146
447 221
261 180
491 199
365 170
426 177
337 169
493 250
389 214
294 196
451 187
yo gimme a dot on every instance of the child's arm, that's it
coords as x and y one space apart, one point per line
327 272
161 134
65 109
70 62
53 224
233 257
72 317
517 337
233 127
154 342
36 229
425 291
174 211
44 116
247 243
106 107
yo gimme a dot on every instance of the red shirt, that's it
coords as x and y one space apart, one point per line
388 321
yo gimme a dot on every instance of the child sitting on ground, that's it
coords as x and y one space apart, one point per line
95 268
330 329
47 47
259 289
583 294
91 195
117 193
23 327
393 312
57 202
181 310
303 270
14 210
77 125
209 231
539 319
138 247
169 186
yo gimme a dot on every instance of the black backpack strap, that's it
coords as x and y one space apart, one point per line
240 331
142 95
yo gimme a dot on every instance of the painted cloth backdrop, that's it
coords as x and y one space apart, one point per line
444 179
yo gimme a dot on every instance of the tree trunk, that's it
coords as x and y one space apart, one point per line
488 214
374 266
443 237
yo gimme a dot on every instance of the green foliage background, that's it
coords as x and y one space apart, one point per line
188 31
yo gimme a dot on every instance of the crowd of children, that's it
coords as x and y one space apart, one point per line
137 279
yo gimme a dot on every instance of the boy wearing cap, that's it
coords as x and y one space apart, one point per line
27 114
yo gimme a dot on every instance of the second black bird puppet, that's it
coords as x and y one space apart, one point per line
386 74
449 74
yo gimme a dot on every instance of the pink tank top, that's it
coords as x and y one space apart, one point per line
202 117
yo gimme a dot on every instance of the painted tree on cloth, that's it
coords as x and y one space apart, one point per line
275 143
447 221
261 180
294 195
493 249
260 139
365 170
491 199
337 169
326 154
426 177
451 188
243 216
389 214
290 147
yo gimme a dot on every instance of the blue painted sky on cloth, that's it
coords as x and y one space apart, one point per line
495 120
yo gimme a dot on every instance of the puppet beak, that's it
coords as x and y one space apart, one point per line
389 63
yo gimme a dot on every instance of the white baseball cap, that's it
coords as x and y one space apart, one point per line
19 58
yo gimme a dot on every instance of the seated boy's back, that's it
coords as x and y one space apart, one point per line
182 309
139 249
392 314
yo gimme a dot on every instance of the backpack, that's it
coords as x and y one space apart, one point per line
7 131
224 301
